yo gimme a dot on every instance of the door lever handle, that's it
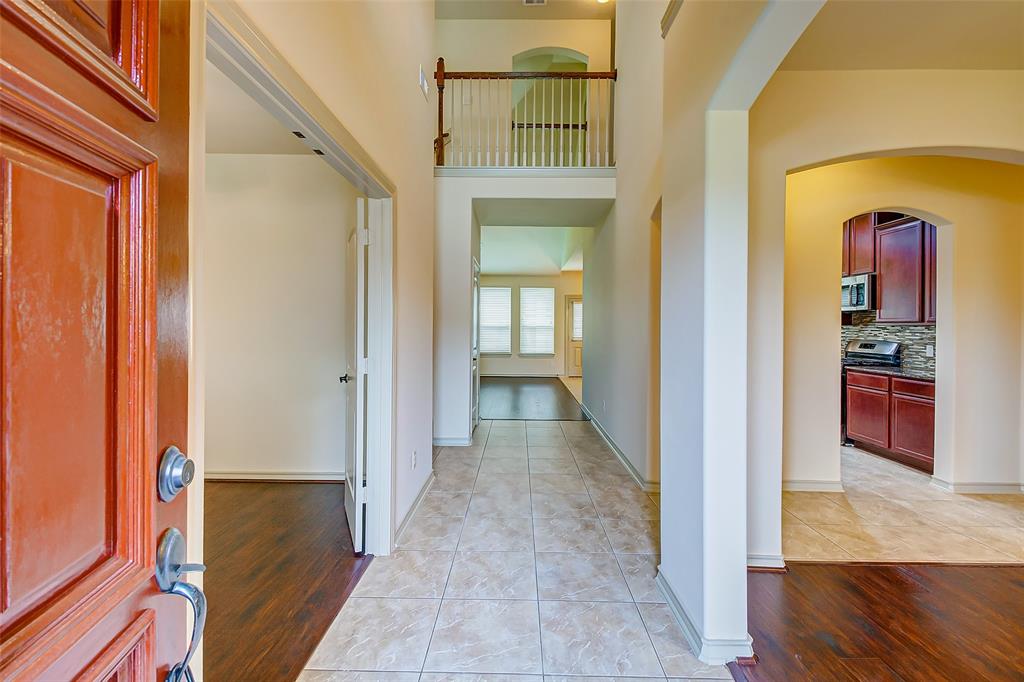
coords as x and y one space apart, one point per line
170 567
345 379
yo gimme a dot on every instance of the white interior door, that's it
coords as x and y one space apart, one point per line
475 419
574 336
355 380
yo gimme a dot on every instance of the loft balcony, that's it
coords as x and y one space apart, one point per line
524 119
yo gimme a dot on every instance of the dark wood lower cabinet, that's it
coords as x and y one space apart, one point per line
867 415
893 417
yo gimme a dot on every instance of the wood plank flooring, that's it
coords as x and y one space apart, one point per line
535 398
849 622
279 568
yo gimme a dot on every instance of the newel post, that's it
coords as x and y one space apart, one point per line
439 141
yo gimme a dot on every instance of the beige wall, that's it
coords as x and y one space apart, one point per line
278 223
808 118
362 59
566 284
489 45
979 208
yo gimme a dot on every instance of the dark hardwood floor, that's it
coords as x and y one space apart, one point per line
279 567
870 622
539 398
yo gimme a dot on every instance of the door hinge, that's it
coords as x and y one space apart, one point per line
364 365
364 238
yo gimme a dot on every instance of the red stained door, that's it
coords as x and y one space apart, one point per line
93 324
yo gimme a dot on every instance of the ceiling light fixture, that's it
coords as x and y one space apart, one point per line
602 2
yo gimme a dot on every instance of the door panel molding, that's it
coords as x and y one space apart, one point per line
125 66
46 135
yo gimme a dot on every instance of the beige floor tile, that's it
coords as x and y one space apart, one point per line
408 574
355 676
803 542
551 452
672 647
633 536
439 503
817 508
591 678
454 476
640 570
580 577
506 438
504 465
1010 541
554 466
377 634
588 638
557 483
477 677
492 575
964 511
570 535
457 453
545 438
563 505
485 636
875 510
625 503
502 484
505 451
496 534
500 504
431 533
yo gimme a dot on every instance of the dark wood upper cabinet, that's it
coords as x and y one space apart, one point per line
862 244
930 254
846 248
899 250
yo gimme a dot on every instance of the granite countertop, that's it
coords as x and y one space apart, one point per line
902 372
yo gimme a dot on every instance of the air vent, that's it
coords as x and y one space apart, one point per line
299 135
317 151
535 3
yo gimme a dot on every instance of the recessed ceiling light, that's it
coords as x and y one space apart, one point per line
602 2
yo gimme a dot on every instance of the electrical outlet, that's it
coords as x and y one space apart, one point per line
413 459
929 351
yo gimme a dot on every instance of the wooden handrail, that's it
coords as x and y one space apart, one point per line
439 140
523 75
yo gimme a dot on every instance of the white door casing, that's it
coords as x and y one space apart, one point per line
356 379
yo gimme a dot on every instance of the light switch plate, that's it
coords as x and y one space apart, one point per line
424 83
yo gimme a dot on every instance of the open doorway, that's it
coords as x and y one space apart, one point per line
294 296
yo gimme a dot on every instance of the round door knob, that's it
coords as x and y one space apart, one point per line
176 471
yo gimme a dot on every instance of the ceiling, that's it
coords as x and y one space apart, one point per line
912 34
515 9
536 236
531 250
236 124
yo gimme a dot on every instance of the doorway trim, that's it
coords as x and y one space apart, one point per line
568 340
237 47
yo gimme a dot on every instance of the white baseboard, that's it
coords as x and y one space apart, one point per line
979 488
798 486
415 506
452 442
710 651
647 486
765 561
222 475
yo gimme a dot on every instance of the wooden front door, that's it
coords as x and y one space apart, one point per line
94 331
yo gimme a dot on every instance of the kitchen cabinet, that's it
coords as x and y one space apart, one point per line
930 254
899 252
896 415
862 244
846 248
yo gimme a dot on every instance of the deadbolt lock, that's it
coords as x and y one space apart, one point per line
175 473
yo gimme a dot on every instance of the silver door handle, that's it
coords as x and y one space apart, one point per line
345 379
170 567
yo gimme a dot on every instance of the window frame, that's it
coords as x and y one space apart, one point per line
523 327
481 325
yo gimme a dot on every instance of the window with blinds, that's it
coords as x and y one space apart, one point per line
536 321
577 320
495 320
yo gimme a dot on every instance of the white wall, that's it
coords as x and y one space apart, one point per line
455 221
362 59
489 44
566 284
276 230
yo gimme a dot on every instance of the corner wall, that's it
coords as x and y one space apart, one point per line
275 345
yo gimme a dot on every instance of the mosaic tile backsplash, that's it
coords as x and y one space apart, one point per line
914 338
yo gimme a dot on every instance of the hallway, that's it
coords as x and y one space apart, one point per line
533 553
528 398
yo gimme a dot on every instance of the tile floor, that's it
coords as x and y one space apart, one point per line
890 512
532 557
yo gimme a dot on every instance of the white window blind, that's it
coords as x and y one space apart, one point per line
536 321
577 320
495 320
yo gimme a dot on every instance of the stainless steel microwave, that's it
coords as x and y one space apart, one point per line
858 293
